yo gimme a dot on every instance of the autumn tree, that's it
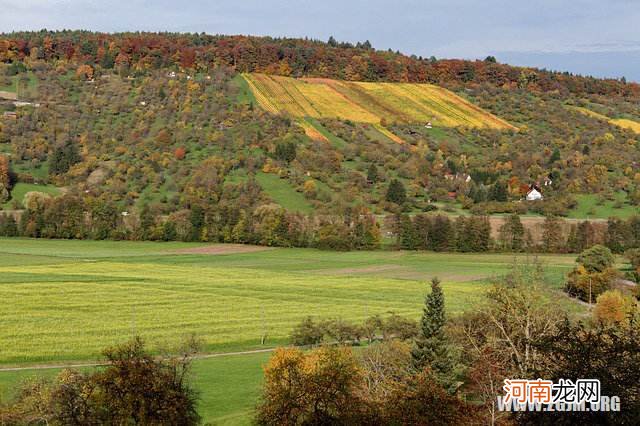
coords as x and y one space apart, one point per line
318 387
613 307
4 179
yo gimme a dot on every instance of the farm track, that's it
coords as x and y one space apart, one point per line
100 364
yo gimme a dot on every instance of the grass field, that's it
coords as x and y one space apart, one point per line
67 300
281 191
589 208
368 102
229 386
20 189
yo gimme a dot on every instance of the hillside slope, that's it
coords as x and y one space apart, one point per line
369 102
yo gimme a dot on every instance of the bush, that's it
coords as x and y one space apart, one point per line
587 285
596 259
307 333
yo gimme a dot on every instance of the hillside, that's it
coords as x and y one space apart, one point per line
217 150
368 102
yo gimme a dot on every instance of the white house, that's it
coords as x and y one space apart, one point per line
534 195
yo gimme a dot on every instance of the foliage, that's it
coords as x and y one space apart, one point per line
596 259
609 353
430 347
396 192
319 387
613 307
133 388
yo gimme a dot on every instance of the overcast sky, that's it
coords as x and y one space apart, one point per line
596 37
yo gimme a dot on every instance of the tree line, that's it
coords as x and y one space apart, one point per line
72 216
137 52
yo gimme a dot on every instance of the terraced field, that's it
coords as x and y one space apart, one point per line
368 102
620 122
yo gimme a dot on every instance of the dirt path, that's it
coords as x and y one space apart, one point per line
99 364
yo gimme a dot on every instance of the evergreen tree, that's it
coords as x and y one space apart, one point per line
499 191
552 240
512 234
286 151
430 348
421 225
441 235
63 157
396 192
372 174
618 233
407 235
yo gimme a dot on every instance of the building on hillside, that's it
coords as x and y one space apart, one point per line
10 114
534 193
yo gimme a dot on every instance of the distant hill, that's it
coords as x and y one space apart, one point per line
230 137
287 57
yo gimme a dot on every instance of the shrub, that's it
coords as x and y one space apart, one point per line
596 259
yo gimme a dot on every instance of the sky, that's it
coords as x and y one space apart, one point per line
589 37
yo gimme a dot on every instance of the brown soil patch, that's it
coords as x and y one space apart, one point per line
217 249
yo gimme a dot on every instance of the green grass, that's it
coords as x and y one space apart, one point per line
245 95
283 193
20 190
228 386
589 208
30 88
66 300
335 141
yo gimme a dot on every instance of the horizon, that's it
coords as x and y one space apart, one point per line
545 35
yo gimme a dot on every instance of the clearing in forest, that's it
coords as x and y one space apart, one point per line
368 102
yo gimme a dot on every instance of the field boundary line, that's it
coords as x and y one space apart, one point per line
100 364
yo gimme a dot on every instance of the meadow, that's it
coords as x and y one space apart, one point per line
368 102
65 301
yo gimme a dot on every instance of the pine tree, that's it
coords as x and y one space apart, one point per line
499 191
396 192
408 237
430 348
372 174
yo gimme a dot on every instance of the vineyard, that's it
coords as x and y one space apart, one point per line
620 122
369 102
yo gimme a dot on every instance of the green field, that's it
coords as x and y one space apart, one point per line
228 386
67 300
20 189
590 208
281 191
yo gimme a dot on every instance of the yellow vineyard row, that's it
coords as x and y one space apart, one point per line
369 102
620 122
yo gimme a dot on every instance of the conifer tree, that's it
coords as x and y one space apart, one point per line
396 192
407 236
372 174
430 348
